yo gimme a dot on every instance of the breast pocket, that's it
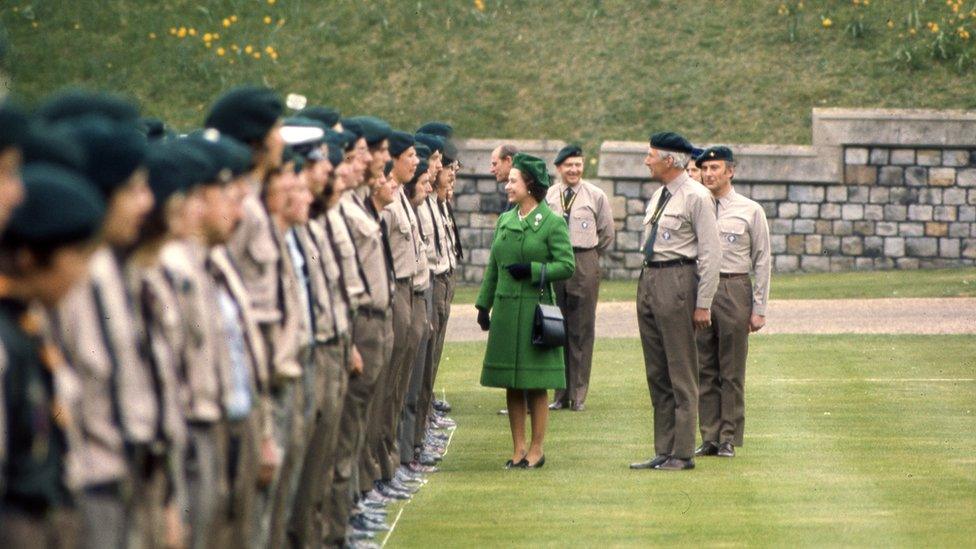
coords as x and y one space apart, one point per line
583 220
262 251
671 222
732 230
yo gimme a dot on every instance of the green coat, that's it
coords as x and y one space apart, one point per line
511 361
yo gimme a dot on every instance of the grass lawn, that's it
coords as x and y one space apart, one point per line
853 285
850 440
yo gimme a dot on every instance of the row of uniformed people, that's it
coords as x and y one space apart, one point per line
243 351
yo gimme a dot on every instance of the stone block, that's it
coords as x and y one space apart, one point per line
928 157
902 157
636 206
830 245
944 213
903 195
840 264
954 196
648 190
605 185
942 177
488 186
836 193
777 243
809 210
815 263
482 221
803 226
955 157
634 260
911 229
863 228
473 274
843 228
891 175
860 175
879 195
744 189
966 178
851 245
823 226
921 246
768 192
479 256
966 213
907 263
894 246
788 210
929 195
852 212
863 263
959 230
806 193
856 155
873 246
919 212
795 244
770 208
629 189
884 263
971 197
635 223
949 247
464 186
813 244
934 228
628 241
969 248
468 203
895 212
886 228
618 204
874 212
830 211
879 156
781 226
786 263
916 176
858 195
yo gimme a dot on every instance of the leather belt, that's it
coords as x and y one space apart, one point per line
581 250
669 263
733 275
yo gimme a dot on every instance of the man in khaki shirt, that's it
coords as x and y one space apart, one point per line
586 209
738 309
681 264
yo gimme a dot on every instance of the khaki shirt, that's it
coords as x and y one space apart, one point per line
745 243
404 236
590 217
338 233
450 231
255 254
328 305
368 238
292 333
688 230
439 253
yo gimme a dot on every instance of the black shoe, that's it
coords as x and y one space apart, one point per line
726 450
536 465
651 463
676 464
578 407
708 448
511 464
558 405
442 406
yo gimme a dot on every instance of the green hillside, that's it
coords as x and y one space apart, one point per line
590 70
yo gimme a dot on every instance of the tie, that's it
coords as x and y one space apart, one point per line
568 196
658 210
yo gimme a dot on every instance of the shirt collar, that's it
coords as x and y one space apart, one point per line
728 198
676 183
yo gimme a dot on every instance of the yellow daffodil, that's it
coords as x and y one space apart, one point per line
216 36
181 33
827 23
269 50
207 37
192 32
77 26
271 2
34 24
274 55
248 49
172 30
221 51
225 22
233 18
890 24
479 5
152 36
267 19
935 27
911 32
257 55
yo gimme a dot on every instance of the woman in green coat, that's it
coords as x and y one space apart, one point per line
527 238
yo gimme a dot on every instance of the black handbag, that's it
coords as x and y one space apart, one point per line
548 327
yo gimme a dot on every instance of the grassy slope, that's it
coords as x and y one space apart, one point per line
853 285
591 70
841 449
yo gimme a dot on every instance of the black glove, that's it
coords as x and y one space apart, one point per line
520 270
483 319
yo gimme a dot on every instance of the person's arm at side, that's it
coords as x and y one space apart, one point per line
761 267
486 295
605 229
563 262
709 256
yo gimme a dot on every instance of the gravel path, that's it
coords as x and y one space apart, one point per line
814 316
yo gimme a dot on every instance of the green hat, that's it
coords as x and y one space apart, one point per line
60 208
568 151
337 142
304 135
73 104
400 142
153 128
14 126
532 165
442 129
169 173
113 151
246 113
326 115
354 127
206 157
388 168
433 142
670 141
717 152
423 151
53 145
450 152
374 130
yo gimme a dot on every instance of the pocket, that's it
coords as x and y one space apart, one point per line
670 222
735 227
262 250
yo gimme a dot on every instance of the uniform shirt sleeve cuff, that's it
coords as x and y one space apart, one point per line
704 303
758 309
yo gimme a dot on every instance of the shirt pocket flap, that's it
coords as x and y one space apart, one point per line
732 226
670 222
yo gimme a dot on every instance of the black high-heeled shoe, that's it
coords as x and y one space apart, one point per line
536 465
511 464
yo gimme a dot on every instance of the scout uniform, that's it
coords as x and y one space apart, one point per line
681 264
722 348
586 210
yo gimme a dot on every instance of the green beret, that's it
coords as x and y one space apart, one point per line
246 113
354 127
207 156
533 166
113 151
14 126
670 141
718 152
433 142
153 128
304 135
168 171
53 145
73 104
237 156
374 130
400 142
388 168
337 142
60 208
568 151
442 129
325 115
450 152
423 151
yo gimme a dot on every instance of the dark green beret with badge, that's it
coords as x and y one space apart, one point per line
533 166
373 129
246 113
672 142
400 142
326 115
718 152
433 142
53 145
60 208
569 151
113 151
423 151
168 172
442 129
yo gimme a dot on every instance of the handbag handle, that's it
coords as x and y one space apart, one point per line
542 285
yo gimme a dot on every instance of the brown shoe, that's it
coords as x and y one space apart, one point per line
676 464
726 450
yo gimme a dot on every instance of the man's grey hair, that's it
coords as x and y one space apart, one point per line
680 159
507 150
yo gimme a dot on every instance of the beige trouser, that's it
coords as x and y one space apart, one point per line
665 306
722 350
577 298
405 308
440 310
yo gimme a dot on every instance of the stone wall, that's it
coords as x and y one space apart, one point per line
877 189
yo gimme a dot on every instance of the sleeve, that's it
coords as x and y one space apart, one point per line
486 296
709 248
761 261
605 229
563 262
